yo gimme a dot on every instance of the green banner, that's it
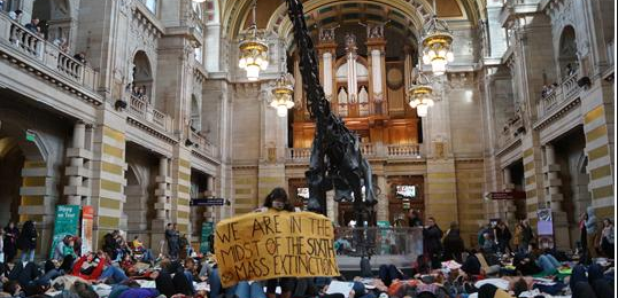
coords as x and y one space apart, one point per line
207 230
66 223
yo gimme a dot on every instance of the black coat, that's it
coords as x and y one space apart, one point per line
431 239
27 238
453 243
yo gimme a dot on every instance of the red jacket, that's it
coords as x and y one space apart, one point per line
96 273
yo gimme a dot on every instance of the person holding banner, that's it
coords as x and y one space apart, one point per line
278 201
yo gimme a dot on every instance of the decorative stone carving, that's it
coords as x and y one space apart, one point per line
375 31
327 34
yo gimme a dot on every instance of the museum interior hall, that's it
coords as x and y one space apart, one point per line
144 113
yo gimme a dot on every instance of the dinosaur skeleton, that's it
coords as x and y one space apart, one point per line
336 160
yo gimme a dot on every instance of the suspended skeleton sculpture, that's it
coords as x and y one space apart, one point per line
336 160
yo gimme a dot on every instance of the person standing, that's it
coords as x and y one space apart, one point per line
278 201
527 236
27 241
33 26
414 220
2 247
172 237
517 237
453 244
183 245
583 237
11 232
481 234
607 239
431 241
591 232
503 236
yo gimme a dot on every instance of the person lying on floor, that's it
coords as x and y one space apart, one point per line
89 267
542 264
593 286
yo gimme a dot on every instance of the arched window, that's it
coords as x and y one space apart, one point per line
197 53
56 14
142 85
196 119
567 55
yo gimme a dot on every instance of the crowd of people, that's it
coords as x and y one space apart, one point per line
504 264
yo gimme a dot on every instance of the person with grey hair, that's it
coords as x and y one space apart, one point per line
16 15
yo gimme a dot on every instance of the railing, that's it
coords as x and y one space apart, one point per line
70 66
298 154
203 145
145 111
403 151
510 130
379 241
27 41
17 38
369 150
566 91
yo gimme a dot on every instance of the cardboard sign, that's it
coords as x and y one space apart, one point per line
545 225
261 246
87 218
66 223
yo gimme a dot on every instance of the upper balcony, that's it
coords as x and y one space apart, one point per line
34 54
512 8
559 97
143 111
203 147
369 150
511 131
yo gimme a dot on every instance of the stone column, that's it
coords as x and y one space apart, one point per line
509 206
26 6
39 196
209 212
382 198
78 171
162 206
554 197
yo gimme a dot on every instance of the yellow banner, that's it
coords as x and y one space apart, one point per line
261 246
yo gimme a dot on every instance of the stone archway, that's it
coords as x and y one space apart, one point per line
11 163
28 181
55 13
143 77
567 53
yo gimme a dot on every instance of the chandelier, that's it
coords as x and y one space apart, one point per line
437 41
253 52
421 96
282 95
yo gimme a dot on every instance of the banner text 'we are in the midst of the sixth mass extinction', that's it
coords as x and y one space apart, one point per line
261 246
